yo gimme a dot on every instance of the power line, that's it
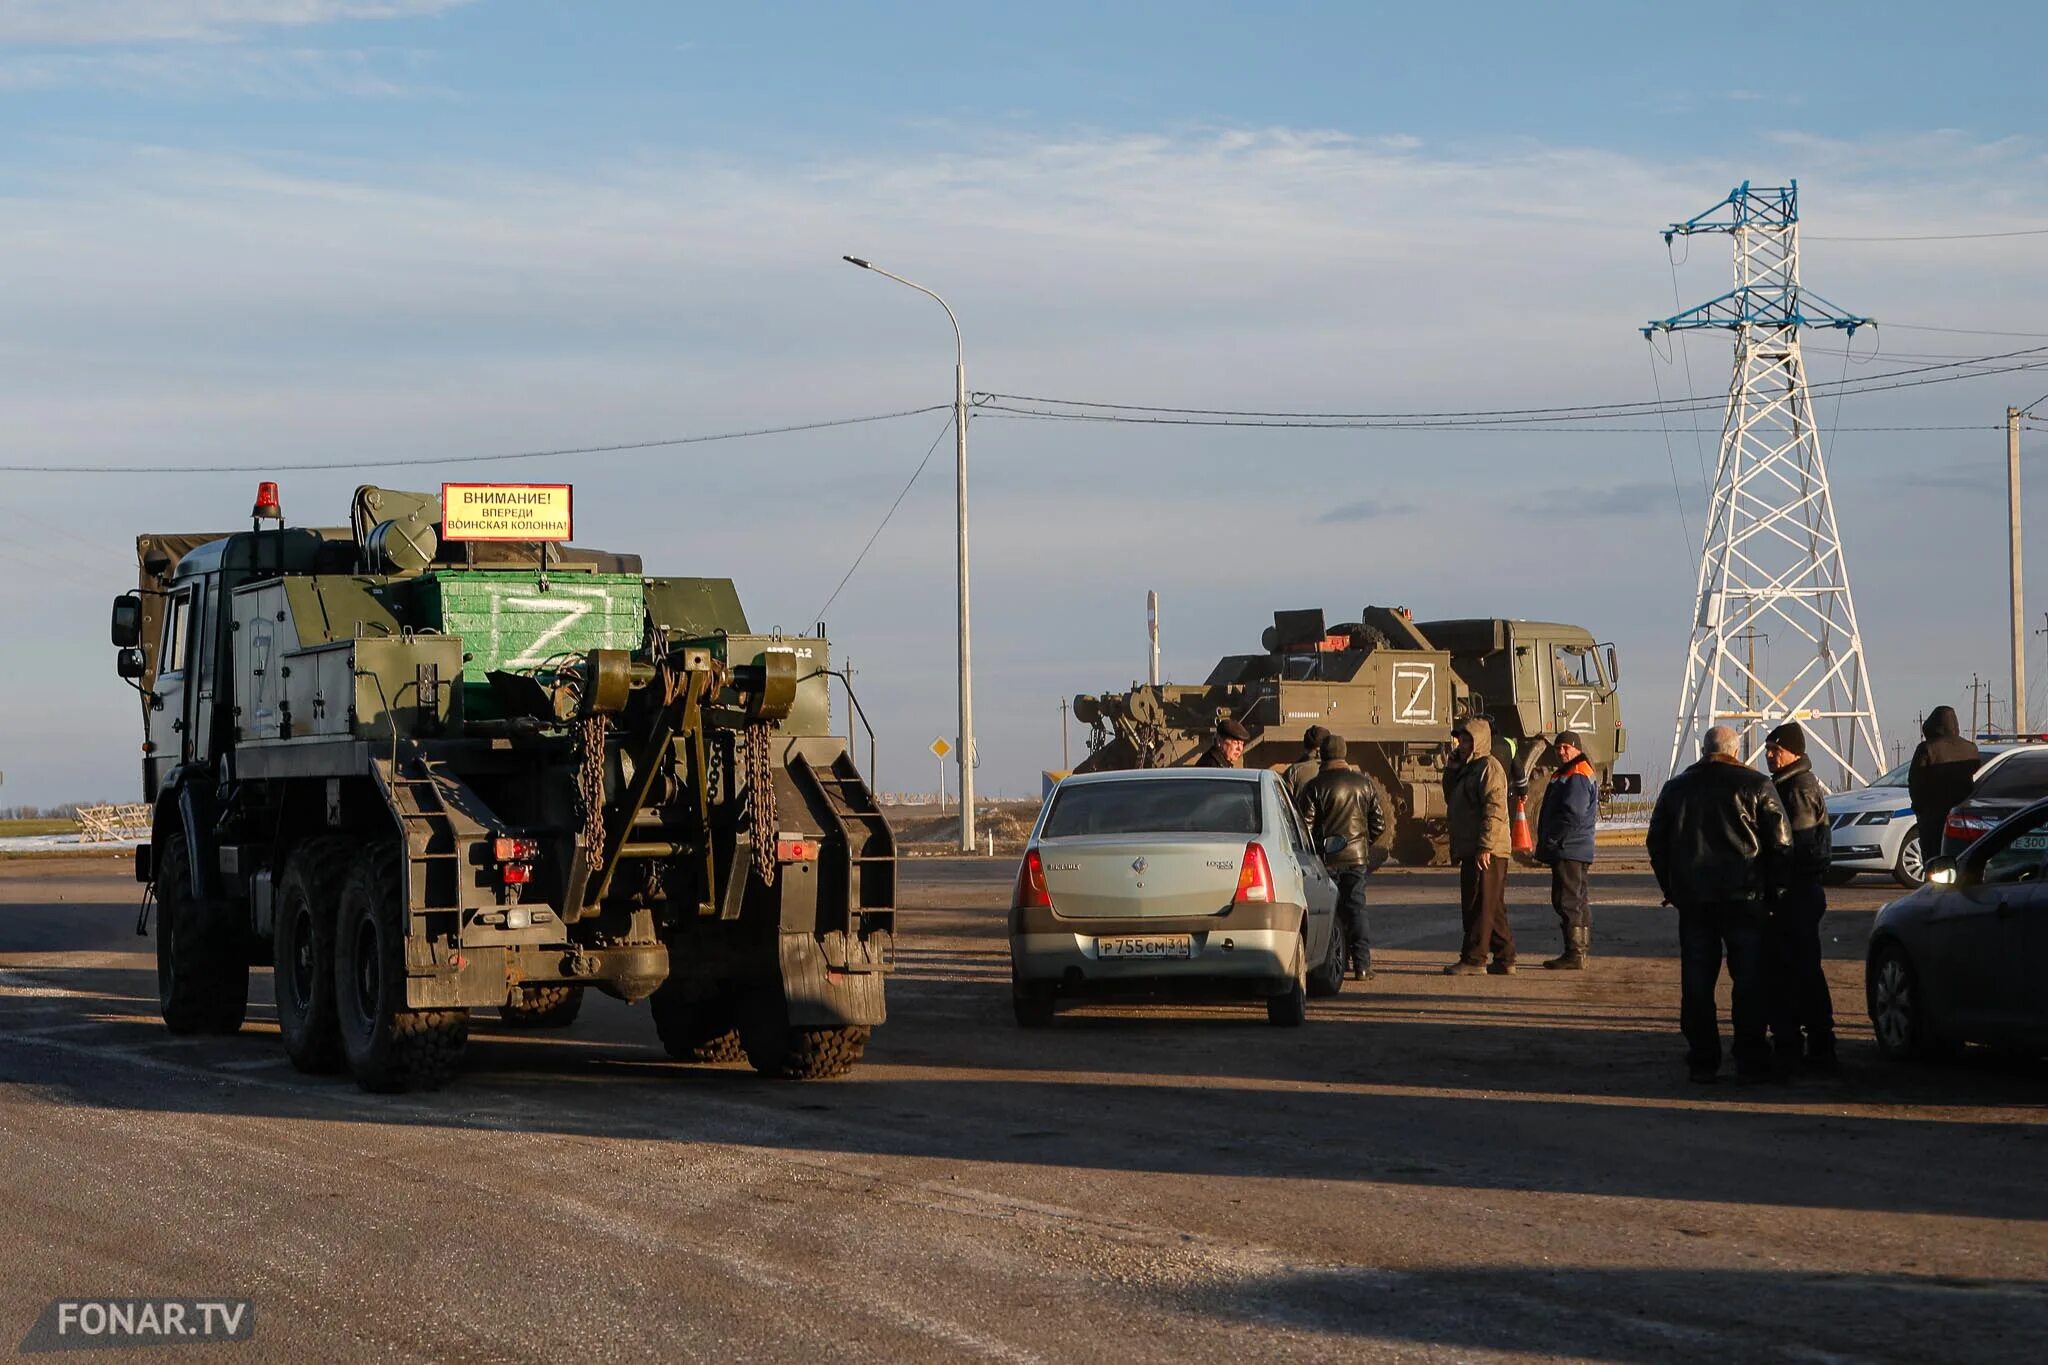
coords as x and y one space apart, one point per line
819 615
1937 236
1959 331
269 467
1002 414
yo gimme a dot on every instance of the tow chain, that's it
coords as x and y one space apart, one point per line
761 799
590 788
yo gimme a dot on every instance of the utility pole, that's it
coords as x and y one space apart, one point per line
1066 764
1152 631
2019 606
1975 687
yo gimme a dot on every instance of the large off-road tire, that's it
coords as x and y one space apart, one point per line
389 1047
202 958
1328 977
695 1030
302 953
776 1048
541 1007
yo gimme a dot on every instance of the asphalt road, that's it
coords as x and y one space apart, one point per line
1433 1168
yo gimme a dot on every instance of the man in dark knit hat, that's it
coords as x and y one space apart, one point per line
1342 807
1564 844
1796 985
1228 750
1303 770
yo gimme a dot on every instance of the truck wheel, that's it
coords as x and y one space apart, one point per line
695 1030
302 953
1415 846
775 1048
541 1007
389 1047
202 968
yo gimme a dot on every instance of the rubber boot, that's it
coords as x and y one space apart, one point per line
1578 942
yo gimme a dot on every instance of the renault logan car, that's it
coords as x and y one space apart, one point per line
1965 958
1172 882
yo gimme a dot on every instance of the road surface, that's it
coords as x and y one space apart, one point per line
1433 1168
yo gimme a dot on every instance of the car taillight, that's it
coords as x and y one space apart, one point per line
1031 893
1254 877
1968 826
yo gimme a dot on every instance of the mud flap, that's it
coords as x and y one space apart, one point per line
818 997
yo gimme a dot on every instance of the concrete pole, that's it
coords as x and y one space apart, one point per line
1152 633
2019 602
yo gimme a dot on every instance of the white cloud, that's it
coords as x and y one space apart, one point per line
171 306
97 23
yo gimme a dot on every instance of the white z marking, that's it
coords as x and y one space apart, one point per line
1415 690
573 603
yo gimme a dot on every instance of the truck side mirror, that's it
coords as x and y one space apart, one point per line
129 663
126 624
1613 668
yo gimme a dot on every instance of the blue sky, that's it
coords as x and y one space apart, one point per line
242 230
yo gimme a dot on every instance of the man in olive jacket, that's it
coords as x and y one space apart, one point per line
1797 984
1476 808
1939 779
1718 844
1342 808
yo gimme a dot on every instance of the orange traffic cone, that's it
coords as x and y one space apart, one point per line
1523 843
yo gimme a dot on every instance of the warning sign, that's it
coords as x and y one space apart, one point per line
505 511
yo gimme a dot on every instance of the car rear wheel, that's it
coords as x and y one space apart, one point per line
1911 868
1898 1010
1289 1009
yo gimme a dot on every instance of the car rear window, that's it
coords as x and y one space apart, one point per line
1194 806
2020 775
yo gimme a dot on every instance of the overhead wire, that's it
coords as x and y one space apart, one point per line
908 484
1935 236
410 460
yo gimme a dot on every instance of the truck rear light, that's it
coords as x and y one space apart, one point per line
1031 893
1254 877
795 849
505 849
516 874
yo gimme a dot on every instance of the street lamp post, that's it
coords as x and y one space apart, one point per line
966 738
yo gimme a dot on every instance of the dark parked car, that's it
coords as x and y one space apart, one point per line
1965 958
2007 781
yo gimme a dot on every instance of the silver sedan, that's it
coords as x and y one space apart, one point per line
1174 882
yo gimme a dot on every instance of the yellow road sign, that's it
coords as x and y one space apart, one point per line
505 511
941 748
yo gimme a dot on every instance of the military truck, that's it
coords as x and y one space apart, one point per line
418 778
1393 688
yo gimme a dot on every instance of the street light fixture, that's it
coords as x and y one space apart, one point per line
960 510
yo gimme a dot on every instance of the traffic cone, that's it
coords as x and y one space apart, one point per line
1523 843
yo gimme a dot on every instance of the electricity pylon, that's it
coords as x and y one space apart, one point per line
1771 560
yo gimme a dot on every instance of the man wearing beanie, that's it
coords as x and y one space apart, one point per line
1564 844
1303 770
1342 807
1796 985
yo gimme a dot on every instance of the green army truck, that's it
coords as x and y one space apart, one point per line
1393 688
419 778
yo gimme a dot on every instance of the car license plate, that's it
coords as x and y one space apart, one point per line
1146 946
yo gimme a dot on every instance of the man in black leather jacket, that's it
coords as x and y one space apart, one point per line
1718 844
1342 807
1798 986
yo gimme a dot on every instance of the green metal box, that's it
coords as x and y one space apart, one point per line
508 621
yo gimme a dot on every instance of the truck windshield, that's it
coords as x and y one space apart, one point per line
1151 806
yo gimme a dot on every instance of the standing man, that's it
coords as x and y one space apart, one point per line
1228 749
1564 844
1343 811
1718 845
1939 779
1303 770
1798 987
1476 802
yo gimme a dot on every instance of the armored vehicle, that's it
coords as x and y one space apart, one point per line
419 778
1393 689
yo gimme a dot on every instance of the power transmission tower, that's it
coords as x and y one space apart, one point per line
1772 554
